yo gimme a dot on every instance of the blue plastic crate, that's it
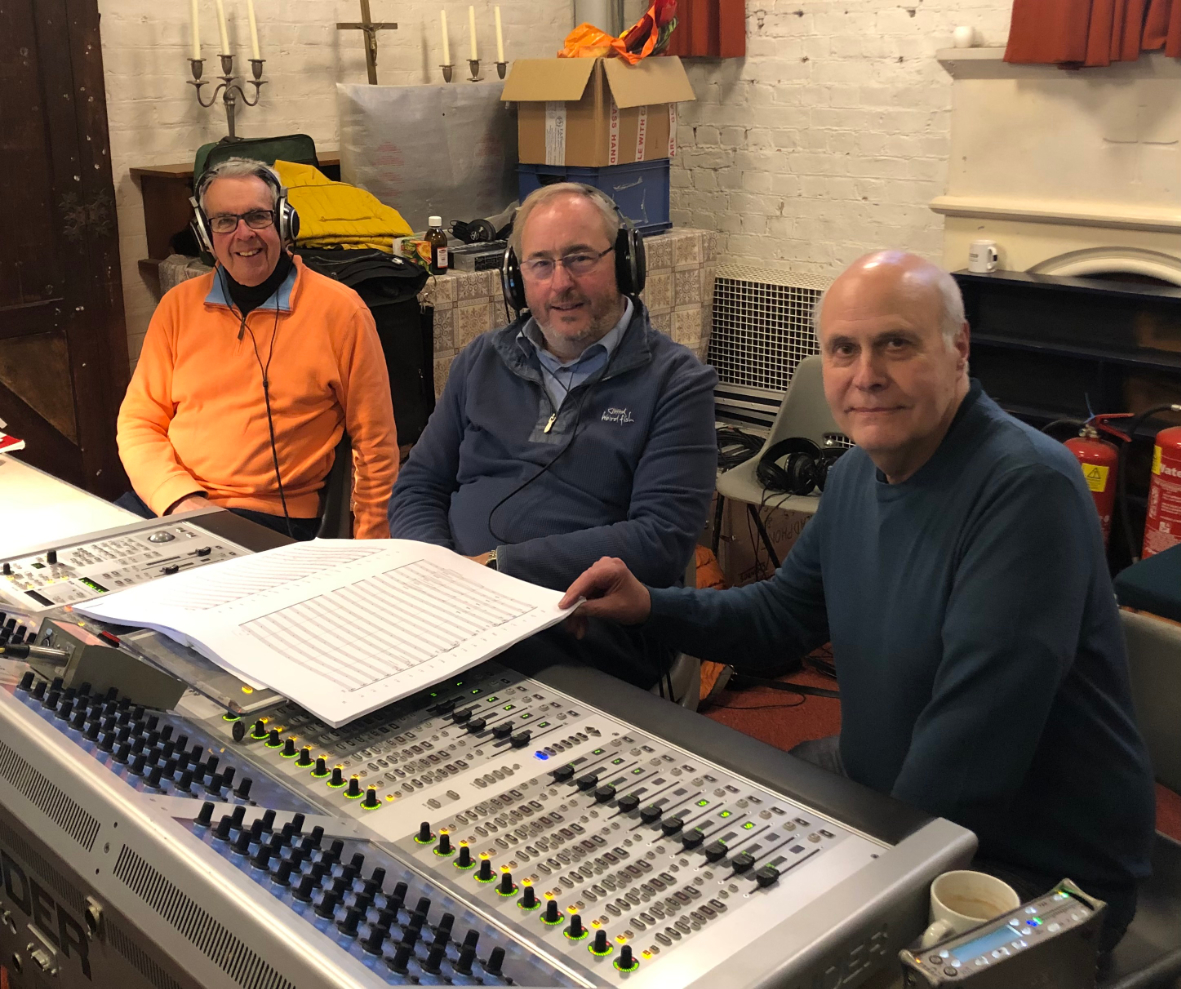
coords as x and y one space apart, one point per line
640 189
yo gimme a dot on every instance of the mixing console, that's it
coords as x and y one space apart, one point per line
85 567
495 830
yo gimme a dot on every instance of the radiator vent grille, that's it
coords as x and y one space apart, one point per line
762 325
216 942
126 944
64 889
59 808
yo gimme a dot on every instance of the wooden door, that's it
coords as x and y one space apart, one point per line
63 343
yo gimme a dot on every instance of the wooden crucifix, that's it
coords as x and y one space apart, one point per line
370 27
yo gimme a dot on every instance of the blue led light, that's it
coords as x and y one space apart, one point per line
540 755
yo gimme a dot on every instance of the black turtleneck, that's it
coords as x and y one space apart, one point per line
249 297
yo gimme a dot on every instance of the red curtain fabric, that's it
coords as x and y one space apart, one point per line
711 28
1092 32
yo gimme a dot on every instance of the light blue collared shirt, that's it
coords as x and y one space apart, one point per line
560 379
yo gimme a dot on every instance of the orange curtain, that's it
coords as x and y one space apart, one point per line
711 28
1092 32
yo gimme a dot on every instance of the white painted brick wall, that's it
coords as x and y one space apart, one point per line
154 118
829 139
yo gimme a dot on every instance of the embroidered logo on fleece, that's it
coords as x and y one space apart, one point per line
620 416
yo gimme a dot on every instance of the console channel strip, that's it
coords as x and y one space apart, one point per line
85 567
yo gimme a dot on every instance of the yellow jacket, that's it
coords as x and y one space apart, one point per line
335 214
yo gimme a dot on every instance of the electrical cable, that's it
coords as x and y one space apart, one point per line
266 393
736 446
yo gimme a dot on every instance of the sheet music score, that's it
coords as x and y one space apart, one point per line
341 627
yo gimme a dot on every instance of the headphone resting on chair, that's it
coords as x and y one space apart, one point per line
286 218
631 264
806 466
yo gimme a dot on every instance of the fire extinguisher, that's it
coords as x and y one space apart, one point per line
1099 460
1162 527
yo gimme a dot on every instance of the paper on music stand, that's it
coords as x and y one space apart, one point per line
341 627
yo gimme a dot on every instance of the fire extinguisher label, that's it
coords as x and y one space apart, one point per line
1096 477
1156 459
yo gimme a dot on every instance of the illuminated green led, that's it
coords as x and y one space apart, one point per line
702 803
748 825
726 813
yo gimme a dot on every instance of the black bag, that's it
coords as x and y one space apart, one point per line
389 286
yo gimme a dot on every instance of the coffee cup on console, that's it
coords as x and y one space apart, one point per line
963 899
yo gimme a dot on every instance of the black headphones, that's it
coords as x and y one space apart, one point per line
286 218
806 466
631 260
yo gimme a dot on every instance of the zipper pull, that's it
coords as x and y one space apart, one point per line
550 425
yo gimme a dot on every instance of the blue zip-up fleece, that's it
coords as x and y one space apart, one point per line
635 482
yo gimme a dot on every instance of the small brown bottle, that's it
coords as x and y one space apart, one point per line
438 241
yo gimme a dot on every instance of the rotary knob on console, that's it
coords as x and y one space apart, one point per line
588 782
628 802
626 961
377 935
337 777
354 787
321 769
305 756
562 773
273 739
289 747
552 915
528 900
464 860
484 874
495 961
444 846
671 825
651 813
502 729
425 835
506 886
574 930
371 802
260 730
601 946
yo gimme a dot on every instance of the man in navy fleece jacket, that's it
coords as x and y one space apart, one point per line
578 431
956 564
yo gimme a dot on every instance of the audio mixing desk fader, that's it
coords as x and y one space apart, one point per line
555 830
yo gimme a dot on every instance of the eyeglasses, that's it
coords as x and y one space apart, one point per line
542 269
256 219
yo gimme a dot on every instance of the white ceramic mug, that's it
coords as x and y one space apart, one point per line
983 256
960 900
964 37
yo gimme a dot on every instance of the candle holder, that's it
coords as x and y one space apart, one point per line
501 68
231 90
473 65
447 70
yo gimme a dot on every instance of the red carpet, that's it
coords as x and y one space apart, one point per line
765 714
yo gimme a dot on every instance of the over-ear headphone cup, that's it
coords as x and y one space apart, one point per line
510 281
801 474
799 470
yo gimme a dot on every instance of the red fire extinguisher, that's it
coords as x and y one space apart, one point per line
1100 463
1162 528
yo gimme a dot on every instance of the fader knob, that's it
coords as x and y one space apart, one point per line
462 715
562 773
604 793
628 802
767 876
521 739
600 946
588 782
502 729
651 813
476 725
671 825
742 862
693 837
716 851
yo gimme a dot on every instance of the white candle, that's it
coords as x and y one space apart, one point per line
253 30
221 26
499 38
196 30
446 46
471 24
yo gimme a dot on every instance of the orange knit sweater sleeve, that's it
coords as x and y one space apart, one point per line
147 454
369 421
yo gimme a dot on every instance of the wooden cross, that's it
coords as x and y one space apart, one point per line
370 27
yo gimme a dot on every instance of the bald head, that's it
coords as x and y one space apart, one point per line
900 279
894 346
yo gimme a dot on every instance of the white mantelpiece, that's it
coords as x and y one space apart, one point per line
1048 161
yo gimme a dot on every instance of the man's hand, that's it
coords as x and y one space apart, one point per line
611 591
482 559
190 503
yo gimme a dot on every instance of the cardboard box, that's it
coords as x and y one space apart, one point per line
741 553
594 112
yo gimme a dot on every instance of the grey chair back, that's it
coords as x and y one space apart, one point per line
336 497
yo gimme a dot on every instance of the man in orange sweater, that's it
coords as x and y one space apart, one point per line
249 375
